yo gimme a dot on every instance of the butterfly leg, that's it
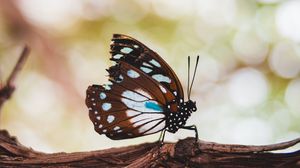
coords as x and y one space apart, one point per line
192 127
162 137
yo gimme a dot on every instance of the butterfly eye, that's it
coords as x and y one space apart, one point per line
193 106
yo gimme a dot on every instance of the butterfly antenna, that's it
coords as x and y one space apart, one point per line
194 76
188 78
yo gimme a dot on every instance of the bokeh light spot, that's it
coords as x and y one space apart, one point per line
284 60
292 96
249 48
248 87
50 12
287 20
265 23
215 14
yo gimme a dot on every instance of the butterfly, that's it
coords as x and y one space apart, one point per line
144 95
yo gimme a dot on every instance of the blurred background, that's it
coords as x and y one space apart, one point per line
247 86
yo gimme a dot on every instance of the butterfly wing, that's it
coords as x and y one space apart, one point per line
133 105
130 50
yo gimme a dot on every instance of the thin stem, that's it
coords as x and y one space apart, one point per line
19 65
7 90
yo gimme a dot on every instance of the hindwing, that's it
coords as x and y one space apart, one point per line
133 105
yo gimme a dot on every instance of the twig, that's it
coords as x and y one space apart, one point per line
7 90
211 146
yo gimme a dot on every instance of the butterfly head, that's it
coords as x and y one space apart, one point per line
191 105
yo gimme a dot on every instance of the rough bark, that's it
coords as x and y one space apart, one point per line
184 153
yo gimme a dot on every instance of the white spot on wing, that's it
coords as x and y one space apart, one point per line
134 96
146 70
155 63
146 64
110 118
116 128
135 46
98 117
126 50
102 95
162 89
132 74
106 87
161 78
106 106
117 56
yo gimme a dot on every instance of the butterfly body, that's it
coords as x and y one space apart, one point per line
144 97
178 119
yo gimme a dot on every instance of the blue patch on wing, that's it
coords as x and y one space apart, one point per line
153 106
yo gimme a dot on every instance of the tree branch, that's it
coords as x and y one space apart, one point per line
7 90
184 153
